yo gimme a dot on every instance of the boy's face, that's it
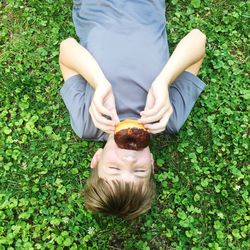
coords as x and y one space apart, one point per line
128 165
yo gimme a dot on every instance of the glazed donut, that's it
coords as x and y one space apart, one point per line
130 134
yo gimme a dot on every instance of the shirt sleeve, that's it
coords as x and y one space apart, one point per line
183 94
77 96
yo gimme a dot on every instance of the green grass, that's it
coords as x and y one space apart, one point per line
202 175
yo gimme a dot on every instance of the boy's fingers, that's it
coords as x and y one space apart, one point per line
155 109
155 117
99 118
156 131
103 110
102 127
115 117
160 125
154 126
149 101
100 108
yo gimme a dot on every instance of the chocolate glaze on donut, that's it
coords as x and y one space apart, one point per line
132 138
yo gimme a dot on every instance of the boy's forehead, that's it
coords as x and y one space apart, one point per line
135 182
110 178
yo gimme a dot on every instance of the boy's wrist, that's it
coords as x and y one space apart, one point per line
165 76
100 82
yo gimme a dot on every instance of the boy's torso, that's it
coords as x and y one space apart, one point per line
129 42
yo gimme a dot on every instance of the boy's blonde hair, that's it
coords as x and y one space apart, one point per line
120 198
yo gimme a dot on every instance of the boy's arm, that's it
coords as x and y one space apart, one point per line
75 59
189 51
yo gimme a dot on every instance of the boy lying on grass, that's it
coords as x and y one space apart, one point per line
122 69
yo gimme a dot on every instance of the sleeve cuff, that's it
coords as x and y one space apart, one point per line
73 82
194 79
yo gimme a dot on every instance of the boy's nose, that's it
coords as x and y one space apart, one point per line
129 158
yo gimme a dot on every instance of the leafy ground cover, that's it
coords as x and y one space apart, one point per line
202 175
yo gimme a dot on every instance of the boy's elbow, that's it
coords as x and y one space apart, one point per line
66 43
199 34
201 37
64 46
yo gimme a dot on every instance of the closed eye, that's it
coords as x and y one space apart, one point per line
137 170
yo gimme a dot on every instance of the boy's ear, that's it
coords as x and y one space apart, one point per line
152 163
152 157
96 158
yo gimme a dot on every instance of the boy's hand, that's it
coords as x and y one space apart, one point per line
103 103
157 108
